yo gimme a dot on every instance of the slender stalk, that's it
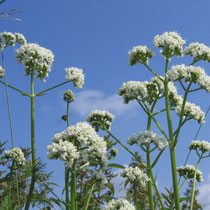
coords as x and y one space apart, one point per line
73 187
20 91
67 169
29 197
200 88
182 184
8 104
149 169
44 91
153 72
10 187
17 188
136 200
171 141
194 180
157 158
149 184
146 109
156 189
89 196
10 123
118 141
163 110
182 114
67 188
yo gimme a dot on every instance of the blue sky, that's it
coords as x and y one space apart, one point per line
96 36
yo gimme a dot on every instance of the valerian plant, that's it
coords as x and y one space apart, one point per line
83 150
148 93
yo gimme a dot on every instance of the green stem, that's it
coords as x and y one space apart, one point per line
10 187
194 180
89 196
156 189
154 72
73 186
157 158
10 123
67 188
118 141
67 113
149 169
171 141
182 114
44 91
136 200
29 197
149 184
182 183
8 104
153 118
20 91
200 88
17 188
67 169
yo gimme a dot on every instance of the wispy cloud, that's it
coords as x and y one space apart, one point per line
204 196
88 100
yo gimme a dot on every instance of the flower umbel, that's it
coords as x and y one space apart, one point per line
35 58
100 119
119 205
68 96
148 137
199 51
188 171
171 42
203 146
139 54
63 150
16 155
135 176
76 76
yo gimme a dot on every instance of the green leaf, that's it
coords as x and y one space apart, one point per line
111 187
115 165
126 183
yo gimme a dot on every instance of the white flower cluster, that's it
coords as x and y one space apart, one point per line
199 51
203 146
148 137
35 58
99 178
191 111
91 147
1 72
193 74
171 42
100 119
15 154
139 54
135 176
119 205
20 39
76 76
132 90
63 150
68 96
188 171
145 91
9 39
